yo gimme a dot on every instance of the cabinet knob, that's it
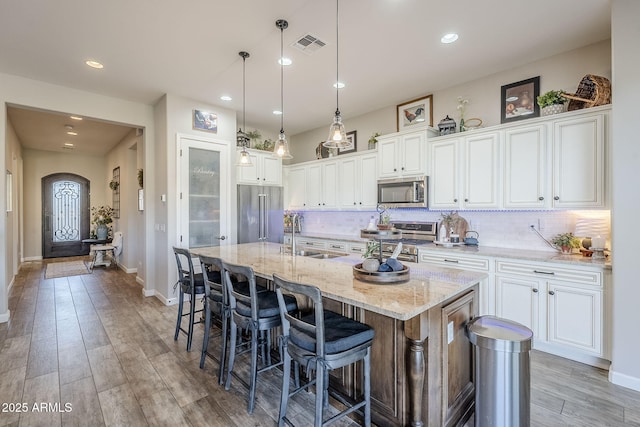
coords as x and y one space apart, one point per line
466 200
258 179
455 200
551 293
395 170
540 198
354 203
323 204
556 198
360 202
318 204
403 168
534 290
264 179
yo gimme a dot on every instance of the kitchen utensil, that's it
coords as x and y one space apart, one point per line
471 238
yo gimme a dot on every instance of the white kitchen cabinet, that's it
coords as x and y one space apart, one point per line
465 172
562 306
526 174
578 162
402 154
322 185
472 263
296 188
358 187
264 170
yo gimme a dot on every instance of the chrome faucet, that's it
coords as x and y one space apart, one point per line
294 218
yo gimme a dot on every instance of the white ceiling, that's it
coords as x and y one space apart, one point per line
390 50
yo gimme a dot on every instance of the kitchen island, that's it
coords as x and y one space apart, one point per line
422 365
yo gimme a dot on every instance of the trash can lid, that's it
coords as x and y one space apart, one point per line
499 334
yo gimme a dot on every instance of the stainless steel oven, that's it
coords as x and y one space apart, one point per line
414 234
408 192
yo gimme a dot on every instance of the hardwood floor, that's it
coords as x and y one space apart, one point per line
93 343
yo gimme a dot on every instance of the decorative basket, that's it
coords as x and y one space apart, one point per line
592 92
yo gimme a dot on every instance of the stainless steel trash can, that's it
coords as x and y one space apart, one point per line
503 378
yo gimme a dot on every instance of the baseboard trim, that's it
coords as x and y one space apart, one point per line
32 258
624 380
148 292
576 355
13 281
4 317
165 300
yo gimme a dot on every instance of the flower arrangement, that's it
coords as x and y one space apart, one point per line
462 106
374 139
101 215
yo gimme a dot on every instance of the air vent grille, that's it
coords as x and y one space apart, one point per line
308 44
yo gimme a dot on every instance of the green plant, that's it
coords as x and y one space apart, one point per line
267 145
101 215
553 97
566 240
114 185
140 178
385 218
374 138
450 219
372 249
254 134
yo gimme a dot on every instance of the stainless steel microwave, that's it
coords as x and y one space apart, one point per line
408 192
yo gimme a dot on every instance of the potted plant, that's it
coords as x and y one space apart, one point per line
253 135
551 102
373 140
101 217
566 242
385 222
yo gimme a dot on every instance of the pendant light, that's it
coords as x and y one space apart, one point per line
281 149
241 136
337 135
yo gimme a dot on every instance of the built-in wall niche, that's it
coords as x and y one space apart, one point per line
9 192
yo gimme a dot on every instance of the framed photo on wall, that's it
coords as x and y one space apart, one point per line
518 100
415 114
205 120
352 137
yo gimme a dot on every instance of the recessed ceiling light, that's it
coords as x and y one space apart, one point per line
68 144
68 127
226 98
277 112
449 38
338 85
285 61
72 133
94 64
75 118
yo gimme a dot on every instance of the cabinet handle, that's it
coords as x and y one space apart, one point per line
466 200
534 290
455 200
354 203
540 198
336 247
551 293
556 198
455 261
551 273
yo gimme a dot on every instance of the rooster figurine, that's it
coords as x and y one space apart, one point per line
413 116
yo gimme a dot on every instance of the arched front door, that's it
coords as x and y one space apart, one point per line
65 215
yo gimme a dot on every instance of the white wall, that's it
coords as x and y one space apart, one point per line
625 158
32 93
12 237
562 71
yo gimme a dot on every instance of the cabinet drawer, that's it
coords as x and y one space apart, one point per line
551 272
311 243
455 261
356 248
337 246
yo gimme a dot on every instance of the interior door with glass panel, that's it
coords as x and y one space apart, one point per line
204 207
65 215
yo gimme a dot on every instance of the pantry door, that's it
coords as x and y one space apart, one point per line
204 205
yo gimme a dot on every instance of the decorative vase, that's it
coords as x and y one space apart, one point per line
102 231
552 109
371 264
566 249
372 146
462 129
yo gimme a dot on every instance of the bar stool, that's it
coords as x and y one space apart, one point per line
215 305
191 284
321 341
256 313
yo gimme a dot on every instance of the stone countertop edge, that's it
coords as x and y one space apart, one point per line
428 286
489 251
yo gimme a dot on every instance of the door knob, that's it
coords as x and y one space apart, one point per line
221 237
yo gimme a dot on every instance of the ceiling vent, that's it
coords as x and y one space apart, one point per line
308 44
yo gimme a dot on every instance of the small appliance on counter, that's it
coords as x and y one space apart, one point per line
471 238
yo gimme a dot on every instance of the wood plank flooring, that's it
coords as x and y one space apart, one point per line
94 343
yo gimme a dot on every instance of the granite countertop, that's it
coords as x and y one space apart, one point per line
428 285
488 251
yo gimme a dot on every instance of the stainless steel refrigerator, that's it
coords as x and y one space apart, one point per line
260 214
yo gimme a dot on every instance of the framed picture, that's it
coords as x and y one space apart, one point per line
518 100
353 139
206 121
415 114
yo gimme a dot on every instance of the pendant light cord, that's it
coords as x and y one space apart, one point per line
337 60
281 80
244 61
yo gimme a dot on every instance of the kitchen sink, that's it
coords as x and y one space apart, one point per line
317 255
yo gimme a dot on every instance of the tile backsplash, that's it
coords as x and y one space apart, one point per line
503 229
